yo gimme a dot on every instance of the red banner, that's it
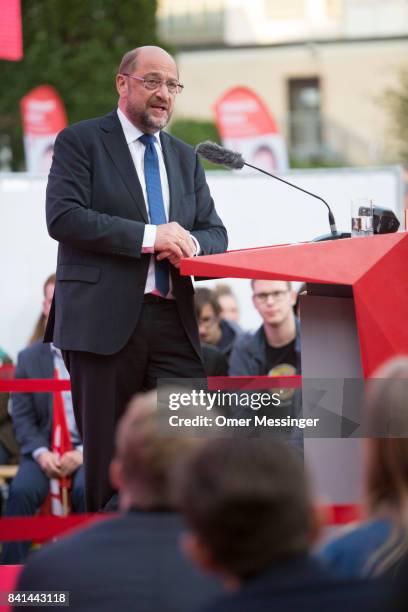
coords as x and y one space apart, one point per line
43 116
11 40
247 126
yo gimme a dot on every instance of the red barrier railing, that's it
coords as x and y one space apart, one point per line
43 528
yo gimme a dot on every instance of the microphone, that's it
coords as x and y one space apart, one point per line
216 154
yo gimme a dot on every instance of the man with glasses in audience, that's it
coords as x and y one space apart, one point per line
126 201
274 350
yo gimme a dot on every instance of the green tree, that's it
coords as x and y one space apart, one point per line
396 101
75 46
194 131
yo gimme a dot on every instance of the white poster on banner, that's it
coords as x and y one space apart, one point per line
43 116
247 126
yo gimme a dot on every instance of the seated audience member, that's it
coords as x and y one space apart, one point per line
214 330
274 349
377 545
227 302
251 522
32 416
131 562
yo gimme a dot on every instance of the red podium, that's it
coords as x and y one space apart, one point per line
352 319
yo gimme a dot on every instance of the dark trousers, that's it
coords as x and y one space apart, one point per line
28 490
102 385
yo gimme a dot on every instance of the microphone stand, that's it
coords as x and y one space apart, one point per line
334 235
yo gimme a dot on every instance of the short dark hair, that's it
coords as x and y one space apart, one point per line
248 501
129 61
204 296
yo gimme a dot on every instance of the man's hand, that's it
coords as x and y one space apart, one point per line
50 464
173 242
70 462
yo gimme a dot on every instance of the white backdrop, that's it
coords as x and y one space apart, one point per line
257 211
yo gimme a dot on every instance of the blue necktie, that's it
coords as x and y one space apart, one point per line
156 205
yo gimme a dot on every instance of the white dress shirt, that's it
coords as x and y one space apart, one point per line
137 151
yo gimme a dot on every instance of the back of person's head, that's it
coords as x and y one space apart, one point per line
386 460
145 456
248 504
387 420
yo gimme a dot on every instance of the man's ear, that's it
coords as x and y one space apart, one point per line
115 474
121 85
293 297
197 552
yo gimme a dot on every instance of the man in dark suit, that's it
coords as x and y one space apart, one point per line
126 202
32 415
252 524
132 562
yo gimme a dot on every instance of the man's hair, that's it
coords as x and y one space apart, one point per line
253 281
248 502
147 455
223 289
204 296
129 61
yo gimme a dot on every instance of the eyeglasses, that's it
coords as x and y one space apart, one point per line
276 295
207 321
151 83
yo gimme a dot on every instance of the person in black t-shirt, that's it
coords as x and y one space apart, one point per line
274 350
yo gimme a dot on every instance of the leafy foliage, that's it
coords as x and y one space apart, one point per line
194 131
74 46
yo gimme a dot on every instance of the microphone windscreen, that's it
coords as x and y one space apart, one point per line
216 154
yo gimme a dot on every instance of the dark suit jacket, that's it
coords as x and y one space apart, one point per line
96 210
32 412
131 564
304 585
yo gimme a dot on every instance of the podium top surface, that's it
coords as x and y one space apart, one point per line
335 261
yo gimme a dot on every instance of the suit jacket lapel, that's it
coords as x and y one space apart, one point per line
171 161
117 148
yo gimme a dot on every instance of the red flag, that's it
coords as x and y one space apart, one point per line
11 41
60 444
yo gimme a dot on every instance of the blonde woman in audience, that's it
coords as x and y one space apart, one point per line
376 546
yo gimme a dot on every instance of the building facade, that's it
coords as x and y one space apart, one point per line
321 66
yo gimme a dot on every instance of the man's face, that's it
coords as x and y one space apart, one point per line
208 325
150 111
273 300
229 308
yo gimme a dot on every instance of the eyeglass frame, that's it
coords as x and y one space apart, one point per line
208 321
178 87
277 296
